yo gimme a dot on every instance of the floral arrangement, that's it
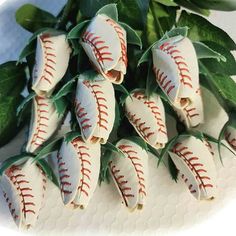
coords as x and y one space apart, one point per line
100 78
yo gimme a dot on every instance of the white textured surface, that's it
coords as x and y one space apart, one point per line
170 208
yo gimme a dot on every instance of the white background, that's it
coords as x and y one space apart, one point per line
222 222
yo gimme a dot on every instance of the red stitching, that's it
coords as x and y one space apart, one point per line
153 108
85 165
180 62
49 66
188 159
209 146
127 149
102 105
120 33
40 130
191 112
95 40
24 192
121 182
231 141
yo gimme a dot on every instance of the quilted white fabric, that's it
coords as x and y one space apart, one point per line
170 207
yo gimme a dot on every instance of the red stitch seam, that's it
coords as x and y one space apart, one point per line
102 105
40 131
180 62
49 66
154 109
121 183
85 163
231 141
120 33
127 149
183 153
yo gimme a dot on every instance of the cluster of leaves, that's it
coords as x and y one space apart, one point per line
150 21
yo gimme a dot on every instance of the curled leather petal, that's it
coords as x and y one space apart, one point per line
196 166
176 69
130 174
147 116
23 188
51 62
95 108
44 122
78 167
192 115
230 136
105 43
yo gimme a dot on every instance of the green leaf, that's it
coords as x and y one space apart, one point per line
25 102
14 160
147 55
133 12
71 136
61 106
91 75
66 89
111 147
168 3
172 169
33 18
48 171
183 31
117 121
192 6
121 88
12 78
151 84
47 148
228 67
221 5
132 36
109 10
139 141
76 32
201 29
203 51
8 118
153 151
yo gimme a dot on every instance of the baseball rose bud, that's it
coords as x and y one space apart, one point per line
194 160
51 62
23 188
44 122
147 116
78 167
176 69
130 173
95 108
104 41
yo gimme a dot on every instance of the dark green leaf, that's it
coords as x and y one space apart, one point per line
25 102
111 147
110 10
116 122
90 75
8 118
222 5
12 78
48 171
33 18
71 136
75 33
18 159
172 169
200 29
147 55
132 36
139 141
153 151
66 89
203 51
168 3
151 84
61 106
47 148
121 88
183 31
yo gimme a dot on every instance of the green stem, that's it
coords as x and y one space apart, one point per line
156 20
62 20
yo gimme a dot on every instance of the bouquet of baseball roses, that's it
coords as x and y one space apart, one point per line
104 79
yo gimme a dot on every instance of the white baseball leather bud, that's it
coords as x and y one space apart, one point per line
147 117
176 69
130 174
51 62
230 136
95 108
104 41
196 166
44 122
78 167
23 188
192 115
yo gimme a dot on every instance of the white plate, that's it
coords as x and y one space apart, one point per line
170 208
